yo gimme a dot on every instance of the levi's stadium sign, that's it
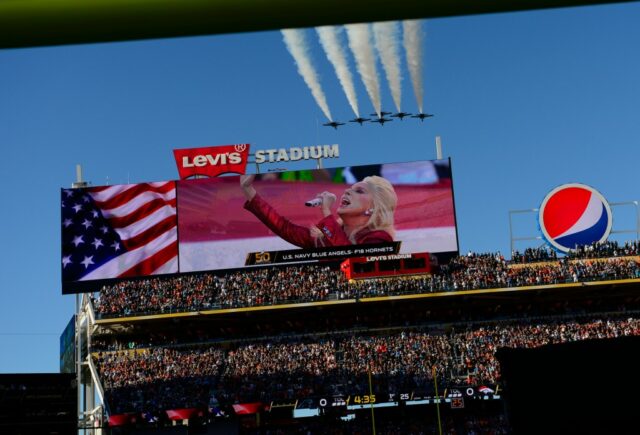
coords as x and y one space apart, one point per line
574 214
232 159
212 161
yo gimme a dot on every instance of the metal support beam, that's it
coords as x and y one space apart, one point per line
512 238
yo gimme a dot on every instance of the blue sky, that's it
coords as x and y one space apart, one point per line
523 102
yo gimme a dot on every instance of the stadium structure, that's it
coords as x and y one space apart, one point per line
398 344
327 340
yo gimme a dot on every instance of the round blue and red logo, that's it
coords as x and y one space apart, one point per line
574 214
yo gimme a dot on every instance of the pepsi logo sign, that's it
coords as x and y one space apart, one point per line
574 214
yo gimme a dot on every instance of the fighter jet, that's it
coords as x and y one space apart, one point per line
381 114
360 120
401 115
382 120
422 116
333 124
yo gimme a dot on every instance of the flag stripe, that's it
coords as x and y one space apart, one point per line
170 266
145 223
121 198
139 201
106 192
137 228
98 189
150 234
152 263
141 212
126 261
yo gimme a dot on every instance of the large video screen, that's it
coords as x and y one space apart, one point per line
234 222
395 208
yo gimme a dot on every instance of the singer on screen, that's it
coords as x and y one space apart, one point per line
364 215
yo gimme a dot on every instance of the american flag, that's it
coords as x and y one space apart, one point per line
119 231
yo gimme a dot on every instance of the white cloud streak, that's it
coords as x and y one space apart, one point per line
329 37
359 36
386 35
412 40
296 43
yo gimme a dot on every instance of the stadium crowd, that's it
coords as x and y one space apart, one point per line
534 255
298 367
487 271
207 291
309 283
151 373
159 378
477 346
606 250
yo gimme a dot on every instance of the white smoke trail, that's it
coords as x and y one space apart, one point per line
359 36
296 43
329 39
387 44
412 39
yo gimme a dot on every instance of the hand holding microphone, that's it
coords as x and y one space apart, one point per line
315 202
324 200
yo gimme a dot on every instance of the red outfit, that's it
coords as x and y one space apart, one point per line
299 235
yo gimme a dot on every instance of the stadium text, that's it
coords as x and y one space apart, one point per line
297 153
389 257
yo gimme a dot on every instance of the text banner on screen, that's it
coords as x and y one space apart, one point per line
314 254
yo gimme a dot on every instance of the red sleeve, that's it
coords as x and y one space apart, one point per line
292 233
334 235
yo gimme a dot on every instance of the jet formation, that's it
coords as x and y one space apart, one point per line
380 119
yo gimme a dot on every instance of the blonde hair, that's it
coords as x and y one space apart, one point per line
384 206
